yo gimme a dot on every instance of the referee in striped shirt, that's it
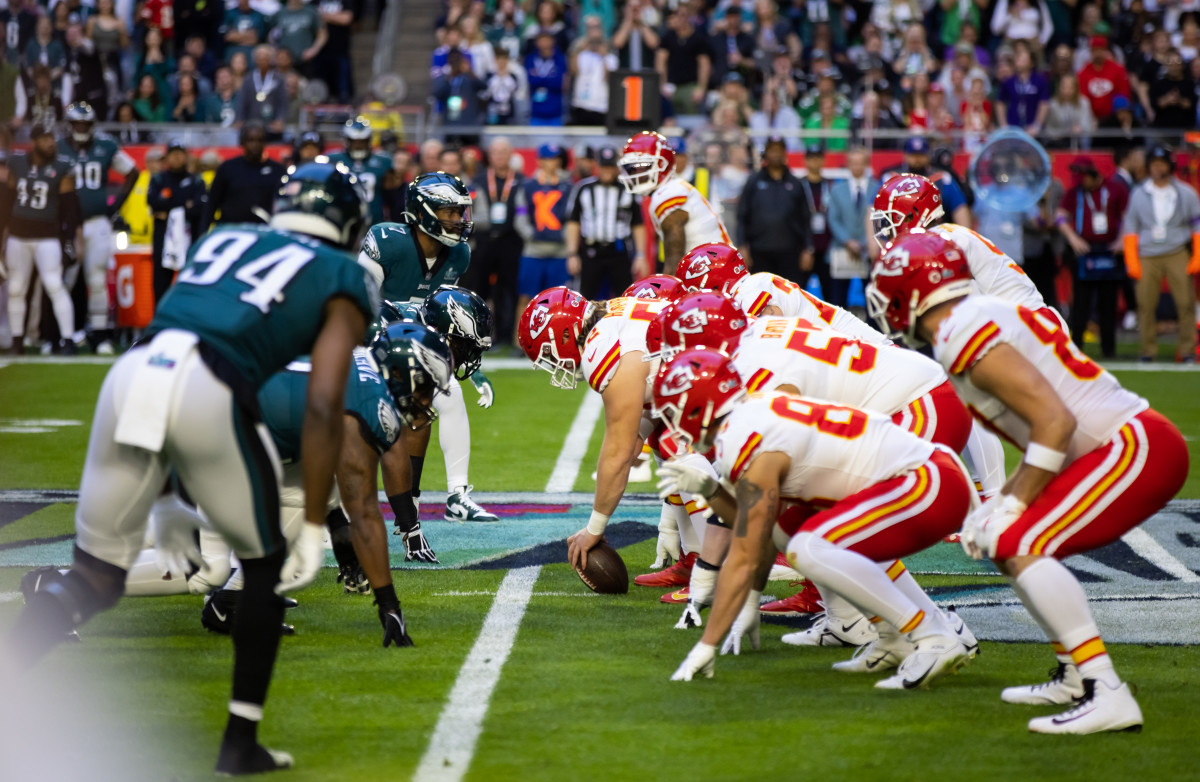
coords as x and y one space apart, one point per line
606 238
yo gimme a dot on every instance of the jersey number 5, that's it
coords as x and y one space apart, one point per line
831 353
267 276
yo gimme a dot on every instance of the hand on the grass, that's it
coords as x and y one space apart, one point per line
578 545
745 626
305 558
668 549
699 661
416 547
691 617
175 544
487 394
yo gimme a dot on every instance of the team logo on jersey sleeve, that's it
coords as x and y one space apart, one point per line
371 247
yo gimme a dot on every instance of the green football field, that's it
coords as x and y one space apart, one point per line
584 692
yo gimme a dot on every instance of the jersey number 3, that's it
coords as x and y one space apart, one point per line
267 276
32 194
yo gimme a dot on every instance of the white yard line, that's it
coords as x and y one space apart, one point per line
1152 551
453 744
566 468
9 597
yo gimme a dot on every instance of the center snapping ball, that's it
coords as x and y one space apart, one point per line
605 572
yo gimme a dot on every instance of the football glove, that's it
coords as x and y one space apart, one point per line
682 475
305 558
394 629
983 528
668 549
691 616
175 542
416 547
699 661
487 394
745 626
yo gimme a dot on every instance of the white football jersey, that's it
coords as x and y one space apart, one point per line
825 364
755 291
703 225
621 331
836 450
996 274
1099 403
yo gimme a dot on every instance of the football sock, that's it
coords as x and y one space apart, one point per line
838 608
1060 601
257 629
703 582
454 435
1060 651
385 598
339 536
688 541
912 590
404 510
860 581
418 462
984 458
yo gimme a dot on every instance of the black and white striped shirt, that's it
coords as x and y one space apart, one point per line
606 213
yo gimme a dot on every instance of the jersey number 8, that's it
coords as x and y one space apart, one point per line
844 422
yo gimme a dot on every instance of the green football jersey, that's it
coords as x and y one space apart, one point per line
37 187
257 295
406 275
367 399
371 173
91 167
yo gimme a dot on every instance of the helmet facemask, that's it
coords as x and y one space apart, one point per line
640 172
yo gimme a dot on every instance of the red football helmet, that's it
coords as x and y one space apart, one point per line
657 286
716 267
905 202
916 271
550 331
647 159
694 391
702 319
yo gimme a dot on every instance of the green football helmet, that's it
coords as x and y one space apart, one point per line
323 200
429 193
357 135
81 119
462 317
416 364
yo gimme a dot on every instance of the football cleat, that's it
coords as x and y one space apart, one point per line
678 596
257 760
394 629
354 580
806 601
33 579
965 636
1101 709
105 348
826 632
932 657
1065 686
782 570
220 608
460 507
677 575
884 653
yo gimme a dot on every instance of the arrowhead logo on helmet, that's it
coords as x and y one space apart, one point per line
701 266
678 379
538 320
690 322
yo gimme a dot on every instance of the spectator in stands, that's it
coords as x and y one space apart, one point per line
772 32
26 18
601 8
43 49
220 106
301 31
850 201
497 257
440 63
872 112
1162 218
827 118
957 18
893 17
160 15
548 20
44 107
1024 98
915 55
546 68
1148 68
430 155
333 63
476 43
1090 219
1069 116
869 51
684 62
1187 40
1022 20
154 60
244 187
1062 64
188 107
60 18
263 94
771 118
590 65
199 20
507 92
456 11
506 28
243 29
127 132
976 114
732 47
84 76
782 79
187 66
239 68
826 87
1173 96
459 95
12 91
965 62
151 102
1101 80
733 90
637 39
110 36
773 222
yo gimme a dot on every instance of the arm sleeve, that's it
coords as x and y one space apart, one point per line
69 214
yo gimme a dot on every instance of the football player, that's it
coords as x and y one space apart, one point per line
865 493
656 286
249 300
565 334
680 214
94 155
39 209
411 260
1098 460
373 169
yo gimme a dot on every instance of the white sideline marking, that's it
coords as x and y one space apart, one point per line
481 592
453 743
9 597
1152 551
566 468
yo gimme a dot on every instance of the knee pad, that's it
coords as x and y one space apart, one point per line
90 587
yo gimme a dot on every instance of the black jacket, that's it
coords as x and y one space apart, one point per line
168 191
773 214
240 186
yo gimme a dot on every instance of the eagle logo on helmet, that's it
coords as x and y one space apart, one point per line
538 320
434 365
463 320
698 267
690 322
678 380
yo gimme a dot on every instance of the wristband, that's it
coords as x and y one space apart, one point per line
1044 458
597 522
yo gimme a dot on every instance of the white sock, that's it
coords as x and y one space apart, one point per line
696 516
454 435
1050 590
838 608
689 541
905 582
702 585
984 458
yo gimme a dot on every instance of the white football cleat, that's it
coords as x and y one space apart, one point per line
932 657
1065 686
460 507
1101 709
965 636
884 653
827 632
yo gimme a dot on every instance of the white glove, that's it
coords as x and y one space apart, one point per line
304 560
698 661
746 625
668 549
678 476
691 617
700 593
174 527
983 528
487 394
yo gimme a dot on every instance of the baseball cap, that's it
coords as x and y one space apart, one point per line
1083 165
819 54
916 145
39 129
606 156
174 144
814 149
774 141
1098 42
733 77
548 151
1160 152
680 145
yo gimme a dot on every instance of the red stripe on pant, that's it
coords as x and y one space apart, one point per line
1160 478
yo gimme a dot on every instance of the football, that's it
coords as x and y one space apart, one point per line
605 572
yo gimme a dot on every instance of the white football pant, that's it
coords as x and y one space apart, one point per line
454 435
46 255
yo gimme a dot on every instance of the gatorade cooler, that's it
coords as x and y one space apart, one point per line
134 287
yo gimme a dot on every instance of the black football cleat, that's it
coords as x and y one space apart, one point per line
220 608
258 760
